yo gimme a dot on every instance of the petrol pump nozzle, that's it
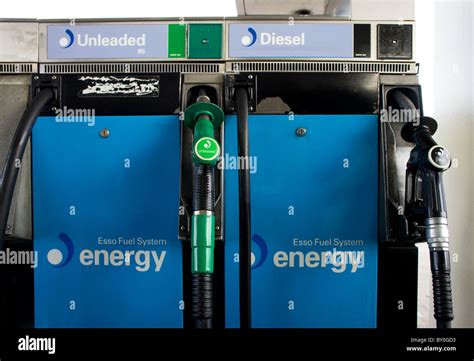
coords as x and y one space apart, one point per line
203 118
425 198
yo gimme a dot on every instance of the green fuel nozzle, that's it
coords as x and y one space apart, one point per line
203 118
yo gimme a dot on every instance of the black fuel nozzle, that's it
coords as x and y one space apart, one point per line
427 162
425 201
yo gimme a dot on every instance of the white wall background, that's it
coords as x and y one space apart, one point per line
445 50
445 43
60 9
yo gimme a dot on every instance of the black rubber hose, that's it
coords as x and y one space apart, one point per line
15 155
202 283
202 307
442 293
204 188
244 210
404 102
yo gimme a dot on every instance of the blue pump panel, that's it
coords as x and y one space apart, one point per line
106 222
313 220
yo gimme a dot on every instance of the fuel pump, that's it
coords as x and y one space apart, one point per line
255 246
203 118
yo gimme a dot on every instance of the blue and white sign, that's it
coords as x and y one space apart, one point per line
314 248
291 41
107 41
105 223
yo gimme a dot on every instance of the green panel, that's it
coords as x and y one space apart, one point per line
202 243
205 41
176 41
